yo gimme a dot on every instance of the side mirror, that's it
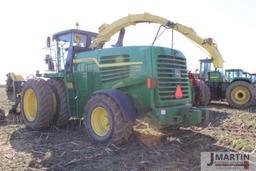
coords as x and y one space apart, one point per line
48 42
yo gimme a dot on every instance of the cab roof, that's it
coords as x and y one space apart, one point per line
234 70
74 31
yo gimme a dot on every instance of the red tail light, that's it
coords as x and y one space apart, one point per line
149 83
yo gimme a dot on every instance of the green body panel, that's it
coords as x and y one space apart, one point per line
128 69
242 79
196 115
60 74
218 88
215 76
181 115
217 85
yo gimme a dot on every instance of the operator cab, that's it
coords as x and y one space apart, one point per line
247 75
253 78
233 73
68 43
207 74
205 67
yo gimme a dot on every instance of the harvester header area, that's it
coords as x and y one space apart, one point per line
14 85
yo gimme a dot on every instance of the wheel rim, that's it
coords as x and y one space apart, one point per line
30 104
100 121
240 95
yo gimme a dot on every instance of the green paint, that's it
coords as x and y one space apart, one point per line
218 83
164 66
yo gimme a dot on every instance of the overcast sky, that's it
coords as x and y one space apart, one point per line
26 24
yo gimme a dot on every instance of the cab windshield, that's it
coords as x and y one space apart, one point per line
233 73
64 44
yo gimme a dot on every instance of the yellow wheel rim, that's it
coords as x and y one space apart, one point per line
30 104
240 95
100 121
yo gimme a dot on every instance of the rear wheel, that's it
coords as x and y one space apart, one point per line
104 120
37 104
62 115
202 94
240 94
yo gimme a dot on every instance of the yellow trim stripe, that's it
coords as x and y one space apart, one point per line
81 60
70 85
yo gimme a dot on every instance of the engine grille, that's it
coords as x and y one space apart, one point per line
171 71
110 74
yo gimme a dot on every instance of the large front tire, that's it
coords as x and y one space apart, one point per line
37 104
104 120
240 94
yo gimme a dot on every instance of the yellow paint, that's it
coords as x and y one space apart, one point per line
240 95
70 85
119 59
30 104
15 77
77 38
106 31
100 121
81 60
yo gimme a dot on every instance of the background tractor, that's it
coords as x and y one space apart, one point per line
110 87
234 85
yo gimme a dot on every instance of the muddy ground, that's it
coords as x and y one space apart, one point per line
70 149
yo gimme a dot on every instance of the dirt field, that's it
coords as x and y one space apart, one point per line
70 149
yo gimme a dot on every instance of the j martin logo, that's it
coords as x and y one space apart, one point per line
228 161
215 157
